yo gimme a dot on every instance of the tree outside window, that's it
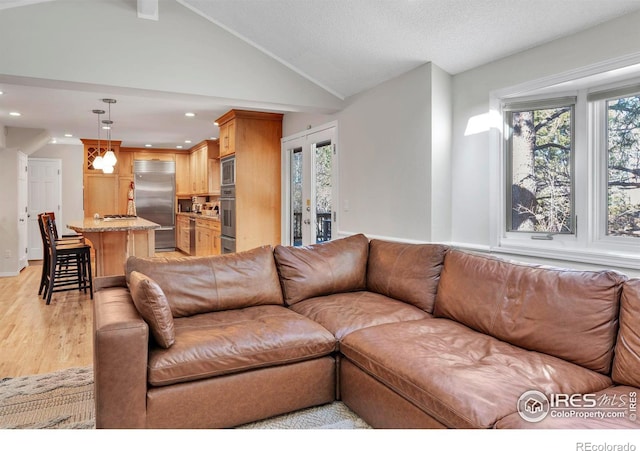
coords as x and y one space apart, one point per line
540 183
623 172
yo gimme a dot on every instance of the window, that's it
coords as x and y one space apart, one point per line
540 170
623 166
567 168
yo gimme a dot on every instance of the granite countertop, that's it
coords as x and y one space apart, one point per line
100 225
199 216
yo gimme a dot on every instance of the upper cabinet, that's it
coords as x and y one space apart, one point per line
183 171
227 137
205 168
94 148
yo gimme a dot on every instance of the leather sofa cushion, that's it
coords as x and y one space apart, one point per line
231 341
326 268
343 313
196 285
153 306
610 400
462 378
408 272
569 314
626 363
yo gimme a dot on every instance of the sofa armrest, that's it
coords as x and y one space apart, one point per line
102 282
120 353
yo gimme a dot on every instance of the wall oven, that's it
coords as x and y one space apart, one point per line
228 219
228 171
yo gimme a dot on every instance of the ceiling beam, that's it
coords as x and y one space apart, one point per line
148 9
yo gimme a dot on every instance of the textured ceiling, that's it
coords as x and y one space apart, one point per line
344 46
347 46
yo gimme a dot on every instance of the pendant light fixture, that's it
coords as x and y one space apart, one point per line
109 160
98 161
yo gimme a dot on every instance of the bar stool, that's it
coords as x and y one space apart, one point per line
68 264
68 239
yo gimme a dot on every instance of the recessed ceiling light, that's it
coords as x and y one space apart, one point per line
15 113
68 135
148 145
187 141
1 93
216 124
190 114
178 147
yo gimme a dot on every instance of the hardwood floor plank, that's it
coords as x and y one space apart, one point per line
37 338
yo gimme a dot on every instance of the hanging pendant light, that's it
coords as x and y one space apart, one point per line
98 161
109 159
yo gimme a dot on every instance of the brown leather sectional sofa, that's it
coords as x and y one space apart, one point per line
407 335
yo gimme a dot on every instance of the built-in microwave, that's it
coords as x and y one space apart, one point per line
228 171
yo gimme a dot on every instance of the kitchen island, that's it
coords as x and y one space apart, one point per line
115 240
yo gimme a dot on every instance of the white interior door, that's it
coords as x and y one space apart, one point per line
23 230
45 193
310 164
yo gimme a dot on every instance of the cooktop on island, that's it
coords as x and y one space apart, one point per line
118 217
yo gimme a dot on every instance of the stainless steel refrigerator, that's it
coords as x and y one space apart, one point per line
154 196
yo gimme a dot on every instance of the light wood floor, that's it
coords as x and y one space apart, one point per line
37 338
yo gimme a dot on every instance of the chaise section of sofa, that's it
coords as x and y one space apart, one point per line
615 407
499 329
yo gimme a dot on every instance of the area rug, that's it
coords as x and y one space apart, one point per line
64 400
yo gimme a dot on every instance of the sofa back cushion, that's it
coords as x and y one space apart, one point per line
407 272
319 269
626 363
569 314
196 285
154 308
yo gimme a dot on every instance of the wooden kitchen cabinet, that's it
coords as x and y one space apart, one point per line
183 234
203 160
254 137
183 174
207 237
124 166
100 194
227 138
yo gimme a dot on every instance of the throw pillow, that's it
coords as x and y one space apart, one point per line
153 306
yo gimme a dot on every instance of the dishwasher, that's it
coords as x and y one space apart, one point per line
192 236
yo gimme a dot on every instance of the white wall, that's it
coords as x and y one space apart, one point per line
72 161
9 212
394 157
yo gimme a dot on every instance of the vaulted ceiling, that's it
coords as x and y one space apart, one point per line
339 47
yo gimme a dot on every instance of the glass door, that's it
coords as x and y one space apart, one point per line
310 191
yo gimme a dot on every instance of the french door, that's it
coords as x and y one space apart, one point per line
310 169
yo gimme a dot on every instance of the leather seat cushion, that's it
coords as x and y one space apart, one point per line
462 378
612 401
217 343
343 313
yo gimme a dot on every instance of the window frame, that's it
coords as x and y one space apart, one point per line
589 243
508 109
